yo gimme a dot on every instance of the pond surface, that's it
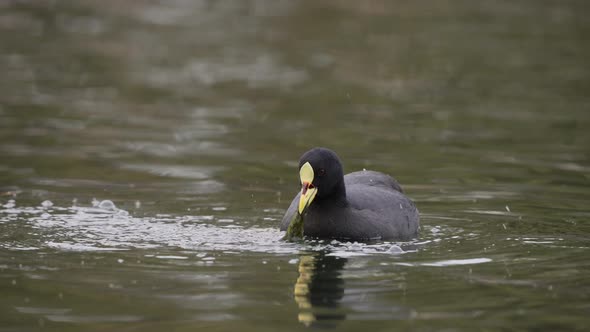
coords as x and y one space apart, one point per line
149 149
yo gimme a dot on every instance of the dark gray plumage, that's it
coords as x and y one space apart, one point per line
362 205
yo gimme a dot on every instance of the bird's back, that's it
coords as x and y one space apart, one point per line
381 210
372 178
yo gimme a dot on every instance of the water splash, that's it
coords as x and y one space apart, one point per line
104 227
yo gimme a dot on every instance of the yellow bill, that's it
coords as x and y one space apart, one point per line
308 191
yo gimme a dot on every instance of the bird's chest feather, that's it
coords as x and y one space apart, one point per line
323 223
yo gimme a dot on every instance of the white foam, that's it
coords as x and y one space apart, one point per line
450 262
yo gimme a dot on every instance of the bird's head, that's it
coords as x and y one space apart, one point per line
320 176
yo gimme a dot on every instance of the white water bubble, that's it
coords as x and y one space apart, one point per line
10 204
107 205
395 249
47 204
95 202
122 213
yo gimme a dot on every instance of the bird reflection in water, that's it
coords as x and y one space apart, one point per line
319 289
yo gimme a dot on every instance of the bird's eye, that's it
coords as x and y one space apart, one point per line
322 172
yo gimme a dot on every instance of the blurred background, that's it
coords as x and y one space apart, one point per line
190 116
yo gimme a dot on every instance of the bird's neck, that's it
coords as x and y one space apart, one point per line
337 196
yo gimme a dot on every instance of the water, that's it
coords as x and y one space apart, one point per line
149 150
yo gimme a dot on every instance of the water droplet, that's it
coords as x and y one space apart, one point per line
507 208
294 261
120 260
